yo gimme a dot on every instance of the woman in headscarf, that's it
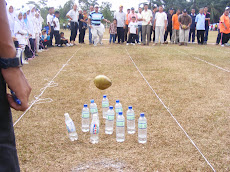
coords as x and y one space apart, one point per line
21 33
37 29
11 18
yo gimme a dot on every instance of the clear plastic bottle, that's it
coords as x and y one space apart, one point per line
93 108
70 127
120 128
94 130
85 119
109 121
105 106
118 107
142 129
130 120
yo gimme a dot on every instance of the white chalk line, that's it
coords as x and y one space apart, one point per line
51 83
226 70
170 112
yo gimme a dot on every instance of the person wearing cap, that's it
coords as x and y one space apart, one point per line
73 16
91 9
207 23
192 32
139 24
200 26
146 24
175 27
160 25
185 22
120 16
153 19
97 28
225 27
169 27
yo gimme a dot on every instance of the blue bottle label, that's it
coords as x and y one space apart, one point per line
130 117
95 129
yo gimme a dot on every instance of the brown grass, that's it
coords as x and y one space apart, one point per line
196 93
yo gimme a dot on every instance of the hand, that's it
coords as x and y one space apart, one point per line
148 22
165 28
49 32
124 27
17 82
91 26
153 27
172 28
144 20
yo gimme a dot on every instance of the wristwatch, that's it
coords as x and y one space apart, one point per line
6 63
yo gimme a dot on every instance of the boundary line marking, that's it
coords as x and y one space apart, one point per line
50 83
170 112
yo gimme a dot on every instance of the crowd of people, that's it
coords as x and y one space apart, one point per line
131 27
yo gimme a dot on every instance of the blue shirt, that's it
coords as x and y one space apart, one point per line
193 25
96 18
200 22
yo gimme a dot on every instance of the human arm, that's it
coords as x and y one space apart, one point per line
107 21
154 25
14 77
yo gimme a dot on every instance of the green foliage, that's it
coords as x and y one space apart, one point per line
85 4
106 11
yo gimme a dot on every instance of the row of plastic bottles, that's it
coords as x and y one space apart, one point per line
109 115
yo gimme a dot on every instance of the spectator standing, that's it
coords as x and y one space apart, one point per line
139 24
153 20
160 25
49 19
91 9
175 27
185 22
81 27
225 27
207 23
146 24
73 15
113 31
57 29
11 18
192 32
126 25
200 26
169 27
120 16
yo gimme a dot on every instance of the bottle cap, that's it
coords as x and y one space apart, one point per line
111 107
120 113
130 107
66 115
85 105
104 96
92 101
117 101
142 115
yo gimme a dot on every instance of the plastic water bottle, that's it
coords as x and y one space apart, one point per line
142 129
85 119
93 108
118 107
105 106
120 128
109 121
94 129
70 127
130 120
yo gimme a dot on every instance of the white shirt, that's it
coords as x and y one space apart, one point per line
133 27
56 20
20 32
121 17
160 18
146 15
37 26
74 15
139 16
11 19
50 19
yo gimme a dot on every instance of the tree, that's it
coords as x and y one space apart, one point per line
106 10
85 4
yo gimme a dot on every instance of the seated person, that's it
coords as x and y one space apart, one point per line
64 40
45 39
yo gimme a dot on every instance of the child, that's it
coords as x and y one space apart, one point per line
133 30
113 31
20 33
57 28
85 18
45 39
64 40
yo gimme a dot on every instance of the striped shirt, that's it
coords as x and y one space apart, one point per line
96 18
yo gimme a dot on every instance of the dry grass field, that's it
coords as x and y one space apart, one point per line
197 94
